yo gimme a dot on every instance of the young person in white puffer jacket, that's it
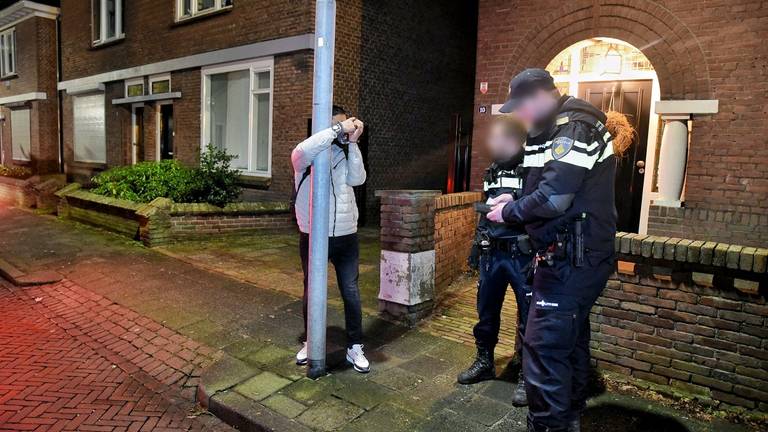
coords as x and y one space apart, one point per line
347 171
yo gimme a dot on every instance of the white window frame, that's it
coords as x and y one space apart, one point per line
195 12
254 67
155 78
8 53
102 38
133 82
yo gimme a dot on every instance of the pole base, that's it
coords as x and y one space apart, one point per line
315 369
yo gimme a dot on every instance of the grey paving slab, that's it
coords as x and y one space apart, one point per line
261 386
330 414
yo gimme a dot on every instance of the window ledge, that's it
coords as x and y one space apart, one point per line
255 180
110 42
21 161
200 16
9 76
92 165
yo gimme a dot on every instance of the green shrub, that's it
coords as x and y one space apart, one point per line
217 180
146 181
15 172
214 182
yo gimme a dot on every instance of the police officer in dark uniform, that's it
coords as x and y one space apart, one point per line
502 252
568 209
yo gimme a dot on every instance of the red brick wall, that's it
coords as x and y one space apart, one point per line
197 227
416 69
709 342
16 192
455 221
726 226
36 72
711 50
152 35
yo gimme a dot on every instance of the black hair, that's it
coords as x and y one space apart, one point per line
337 109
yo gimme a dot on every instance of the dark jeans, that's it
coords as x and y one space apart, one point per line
556 359
344 254
498 270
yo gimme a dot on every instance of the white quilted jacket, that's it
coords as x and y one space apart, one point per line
346 173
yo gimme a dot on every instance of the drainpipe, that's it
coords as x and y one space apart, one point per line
61 95
325 23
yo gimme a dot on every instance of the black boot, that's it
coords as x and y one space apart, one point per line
519 397
481 370
574 426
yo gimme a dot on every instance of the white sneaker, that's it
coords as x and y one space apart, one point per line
301 356
356 357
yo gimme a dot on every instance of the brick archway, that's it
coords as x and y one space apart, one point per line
671 47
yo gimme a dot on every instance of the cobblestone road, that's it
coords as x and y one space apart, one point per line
71 360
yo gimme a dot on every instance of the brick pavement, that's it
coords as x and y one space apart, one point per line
456 315
72 360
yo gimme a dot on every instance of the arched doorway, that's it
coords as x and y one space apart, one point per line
614 75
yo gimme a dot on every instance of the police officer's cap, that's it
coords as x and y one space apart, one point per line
525 84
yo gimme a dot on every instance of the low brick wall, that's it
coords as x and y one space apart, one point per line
688 317
163 221
35 192
199 221
111 214
455 220
15 192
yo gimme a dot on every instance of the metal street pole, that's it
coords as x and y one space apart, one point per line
325 29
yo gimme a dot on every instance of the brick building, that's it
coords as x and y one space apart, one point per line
150 80
674 66
28 98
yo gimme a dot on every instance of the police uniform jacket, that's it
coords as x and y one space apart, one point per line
502 178
570 171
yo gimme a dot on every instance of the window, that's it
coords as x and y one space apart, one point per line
134 87
160 84
237 108
20 134
90 141
190 8
107 17
8 53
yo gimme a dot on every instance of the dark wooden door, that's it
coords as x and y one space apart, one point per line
166 131
138 133
632 98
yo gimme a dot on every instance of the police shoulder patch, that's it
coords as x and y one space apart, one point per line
561 146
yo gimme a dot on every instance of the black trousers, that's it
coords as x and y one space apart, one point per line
556 359
344 254
499 270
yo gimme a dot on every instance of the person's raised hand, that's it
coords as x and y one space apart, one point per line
348 125
358 131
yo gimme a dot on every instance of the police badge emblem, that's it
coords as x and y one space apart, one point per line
561 146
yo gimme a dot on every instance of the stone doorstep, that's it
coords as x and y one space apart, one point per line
20 278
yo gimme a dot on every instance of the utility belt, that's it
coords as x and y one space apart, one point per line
568 245
518 245
484 244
